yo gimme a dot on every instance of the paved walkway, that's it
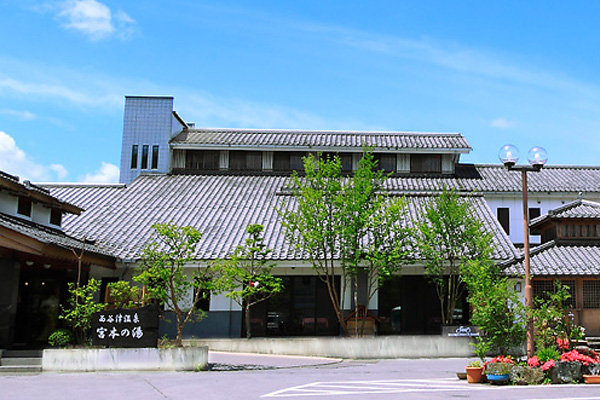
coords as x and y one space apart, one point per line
220 360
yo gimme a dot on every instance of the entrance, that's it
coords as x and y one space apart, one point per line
409 305
41 293
302 309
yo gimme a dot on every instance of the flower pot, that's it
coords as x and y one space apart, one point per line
474 374
591 378
497 379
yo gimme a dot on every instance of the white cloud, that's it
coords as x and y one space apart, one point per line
14 161
20 114
501 123
94 19
108 173
61 172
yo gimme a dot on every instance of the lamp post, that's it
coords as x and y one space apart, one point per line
537 157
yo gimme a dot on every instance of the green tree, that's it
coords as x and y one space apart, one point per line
374 235
447 238
162 273
346 226
124 295
80 308
246 275
496 309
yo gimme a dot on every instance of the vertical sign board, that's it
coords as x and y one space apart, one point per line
126 327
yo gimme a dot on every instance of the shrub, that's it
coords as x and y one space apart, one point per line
60 338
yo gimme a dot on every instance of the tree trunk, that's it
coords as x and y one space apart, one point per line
247 318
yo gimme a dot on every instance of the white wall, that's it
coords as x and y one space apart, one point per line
515 205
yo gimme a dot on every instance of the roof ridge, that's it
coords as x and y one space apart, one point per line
324 131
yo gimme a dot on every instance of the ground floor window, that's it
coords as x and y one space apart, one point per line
409 305
302 309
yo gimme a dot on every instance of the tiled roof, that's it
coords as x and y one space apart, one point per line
218 206
552 259
497 179
48 235
578 209
322 140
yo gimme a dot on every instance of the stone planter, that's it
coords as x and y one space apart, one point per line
116 359
566 372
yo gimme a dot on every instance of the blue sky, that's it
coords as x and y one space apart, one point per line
520 72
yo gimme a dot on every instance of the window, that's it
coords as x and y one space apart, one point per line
55 216
424 163
134 156
288 161
543 288
154 157
145 156
245 160
345 159
202 160
24 206
386 162
503 214
591 294
534 212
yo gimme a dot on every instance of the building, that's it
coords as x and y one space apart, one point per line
221 180
37 260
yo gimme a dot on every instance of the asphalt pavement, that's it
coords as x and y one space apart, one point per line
253 376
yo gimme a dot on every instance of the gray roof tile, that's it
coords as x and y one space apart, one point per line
49 235
321 140
551 259
220 207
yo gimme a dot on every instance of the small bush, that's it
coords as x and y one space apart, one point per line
60 338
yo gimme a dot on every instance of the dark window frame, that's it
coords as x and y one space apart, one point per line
426 163
134 156
24 206
503 216
145 150
55 216
155 150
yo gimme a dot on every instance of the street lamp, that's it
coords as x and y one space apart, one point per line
537 157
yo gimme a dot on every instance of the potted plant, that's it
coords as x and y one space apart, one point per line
474 372
498 369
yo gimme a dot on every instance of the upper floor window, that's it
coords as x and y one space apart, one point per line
145 156
534 212
345 158
134 156
155 157
24 206
386 162
55 216
240 160
503 214
423 163
207 160
288 160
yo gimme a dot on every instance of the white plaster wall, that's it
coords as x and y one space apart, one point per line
515 205
40 214
8 203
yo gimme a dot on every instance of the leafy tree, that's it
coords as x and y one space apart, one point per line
346 226
374 236
124 295
496 309
162 273
448 237
246 276
80 308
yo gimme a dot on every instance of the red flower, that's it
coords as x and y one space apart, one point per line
562 343
533 361
547 365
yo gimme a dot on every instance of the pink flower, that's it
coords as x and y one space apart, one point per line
533 361
547 365
562 343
